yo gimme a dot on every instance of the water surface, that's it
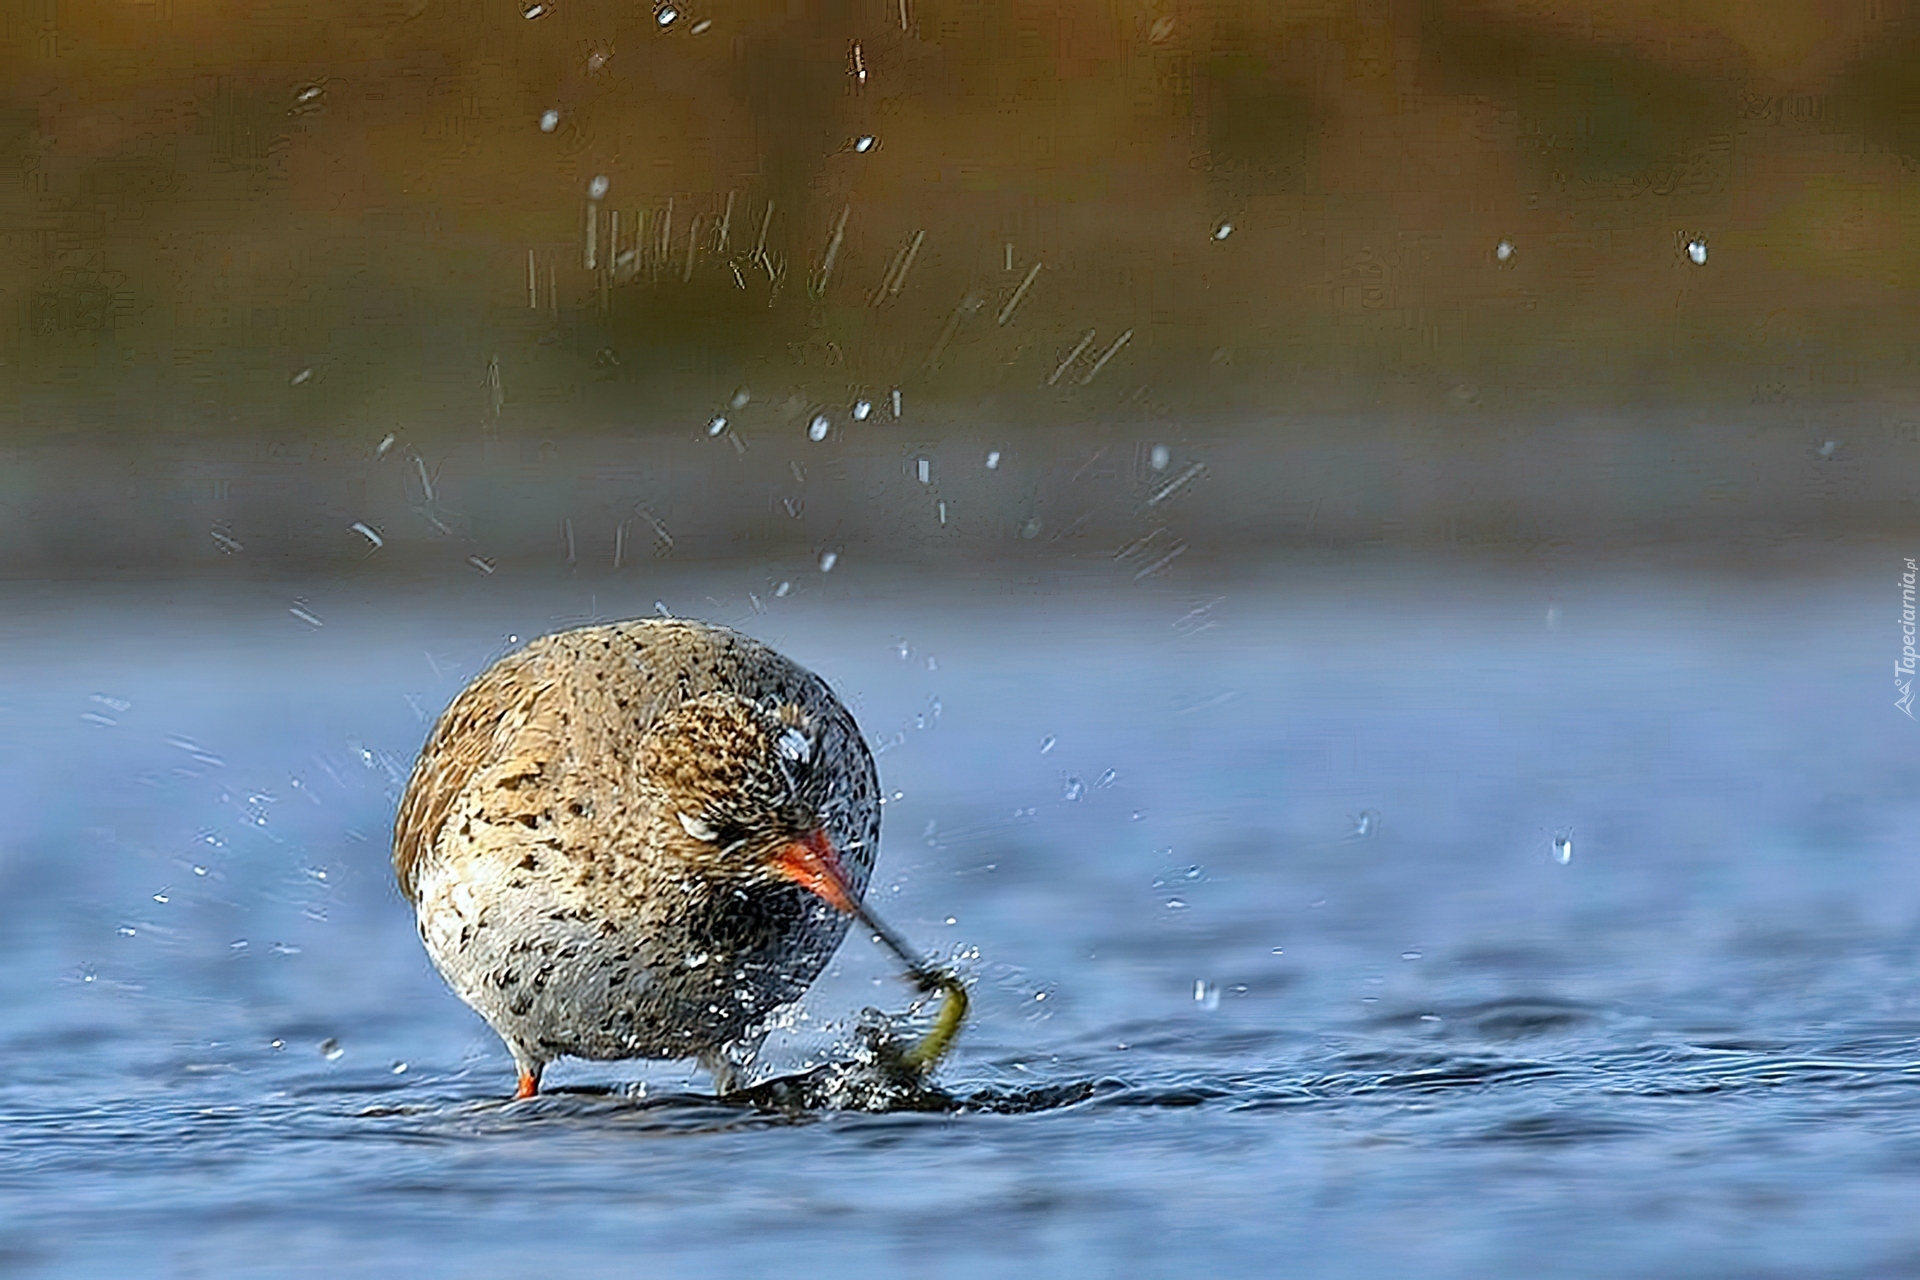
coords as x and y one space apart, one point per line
1277 960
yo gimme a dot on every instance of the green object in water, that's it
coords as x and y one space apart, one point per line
953 1007
946 1027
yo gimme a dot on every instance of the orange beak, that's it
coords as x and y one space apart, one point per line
812 864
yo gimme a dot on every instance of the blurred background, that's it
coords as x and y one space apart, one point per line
1471 246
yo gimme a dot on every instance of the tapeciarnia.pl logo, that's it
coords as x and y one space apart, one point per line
1903 669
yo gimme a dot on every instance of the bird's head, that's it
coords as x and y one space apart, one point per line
745 790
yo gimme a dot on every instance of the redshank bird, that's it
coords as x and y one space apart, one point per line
640 840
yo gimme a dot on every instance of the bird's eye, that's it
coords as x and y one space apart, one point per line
699 830
795 746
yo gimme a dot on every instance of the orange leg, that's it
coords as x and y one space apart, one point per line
529 1085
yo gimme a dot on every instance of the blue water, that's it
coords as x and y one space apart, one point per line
1277 968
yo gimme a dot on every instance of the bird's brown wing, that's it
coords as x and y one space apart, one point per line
483 729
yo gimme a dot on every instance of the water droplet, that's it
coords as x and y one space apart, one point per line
1222 231
598 188
1697 252
828 560
1503 252
923 467
127 931
1563 846
161 896
1074 789
1108 778
1279 951
1031 529
276 1044
818 428
702 25
1411 955
953 920
1046 744
1206 994
666 16
302 377
863 143
199 870
1159 457
1827 449
1176 904
534 11
330 1049
741 399
861 408
549 120
782 589
399 1068
1366 824
993 460
718 425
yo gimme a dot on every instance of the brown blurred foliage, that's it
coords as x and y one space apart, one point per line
1279 202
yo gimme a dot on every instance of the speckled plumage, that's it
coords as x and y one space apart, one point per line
587 838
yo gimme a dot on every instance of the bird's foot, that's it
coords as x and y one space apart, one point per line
529 1085
726 1077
